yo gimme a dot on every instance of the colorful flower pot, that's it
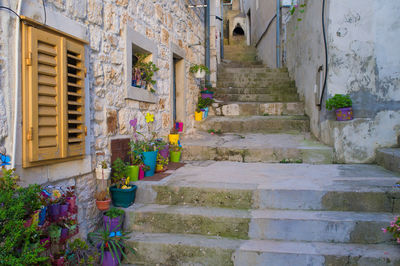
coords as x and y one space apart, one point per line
150 159
113 224
198 116
207 94
133 172
103 205
42 215
173 138
102 173
64 210
64 234
344 114
164 152
141 173
206 112
175 156
54 211
123 197
159 168
179 126
111 259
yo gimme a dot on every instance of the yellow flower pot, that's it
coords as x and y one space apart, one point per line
198 116
159 167
173 138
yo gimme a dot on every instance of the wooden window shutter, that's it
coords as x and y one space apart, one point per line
74 82
42 70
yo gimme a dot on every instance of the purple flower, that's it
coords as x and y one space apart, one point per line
133 123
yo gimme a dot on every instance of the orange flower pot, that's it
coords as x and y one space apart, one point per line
103 205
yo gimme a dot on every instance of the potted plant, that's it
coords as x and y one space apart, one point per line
343 106
198 115
102 200
111 245
147 70
142 169
163 148
103 171
203 104
79 253
199 71
122 194
113 219
161 164
173 136
179 126
175 152
132 171
207 92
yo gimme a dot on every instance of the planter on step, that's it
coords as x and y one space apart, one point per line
344 114
113 224
103 205
179 126
141 173
164 152
123 197
150 159
198 116
176 156
173 138
133 172
205 112
207 94
111 259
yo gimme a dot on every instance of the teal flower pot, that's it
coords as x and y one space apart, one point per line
123 197
150 159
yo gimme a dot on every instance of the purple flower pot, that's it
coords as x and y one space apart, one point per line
164 152
64 234
344 114
64 210
111 259
113 224
54 211
207 94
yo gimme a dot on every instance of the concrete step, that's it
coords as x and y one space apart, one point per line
273 97
260 83
237 69
256 108
256 148
359 188
254 75
238 64
255 124
276 88
175 249
338 227
389 158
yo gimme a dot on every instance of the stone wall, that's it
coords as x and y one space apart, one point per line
363 61
102 23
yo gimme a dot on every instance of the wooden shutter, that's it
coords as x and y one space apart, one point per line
75 98
41 92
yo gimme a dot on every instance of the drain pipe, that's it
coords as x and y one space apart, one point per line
207 22
278 33
222 30
17 82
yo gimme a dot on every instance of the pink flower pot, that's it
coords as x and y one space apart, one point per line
141 173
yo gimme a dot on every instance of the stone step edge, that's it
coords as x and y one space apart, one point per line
337 250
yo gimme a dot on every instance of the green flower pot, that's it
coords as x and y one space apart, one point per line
123 197
133 172
175 156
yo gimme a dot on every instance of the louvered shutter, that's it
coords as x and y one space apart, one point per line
75 98
42 91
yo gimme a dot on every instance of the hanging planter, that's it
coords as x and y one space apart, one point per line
103 173
199 71
200 74
207 94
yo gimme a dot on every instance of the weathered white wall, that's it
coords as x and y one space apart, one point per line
363 39
260 15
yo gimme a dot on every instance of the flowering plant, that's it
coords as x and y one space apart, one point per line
394 228
139 146
176 147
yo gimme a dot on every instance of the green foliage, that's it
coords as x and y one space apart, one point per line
79 253
18 245
148 70
114 213
104 241
195 68
203 103
175 148
291 161
394 229
161 160
119 168
338 101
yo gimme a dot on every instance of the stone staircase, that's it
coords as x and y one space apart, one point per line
229 213
232 204
260 115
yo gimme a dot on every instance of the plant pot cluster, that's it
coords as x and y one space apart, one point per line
204 103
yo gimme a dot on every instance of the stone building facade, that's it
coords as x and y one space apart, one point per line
114 29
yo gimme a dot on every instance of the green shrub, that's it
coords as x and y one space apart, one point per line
203 103
18 245
338 101
114 213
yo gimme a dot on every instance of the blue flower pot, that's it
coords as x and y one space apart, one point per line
150 159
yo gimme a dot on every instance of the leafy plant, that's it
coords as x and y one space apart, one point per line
161 160
338 101
18 245
203 103
79 253
148 70
285 160
105 240
114 213
195 68
119 168
175 148
394 228
101 195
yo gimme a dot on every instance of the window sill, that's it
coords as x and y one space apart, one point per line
140 94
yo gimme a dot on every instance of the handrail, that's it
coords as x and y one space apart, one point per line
266 30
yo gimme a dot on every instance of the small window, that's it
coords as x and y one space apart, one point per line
53 93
